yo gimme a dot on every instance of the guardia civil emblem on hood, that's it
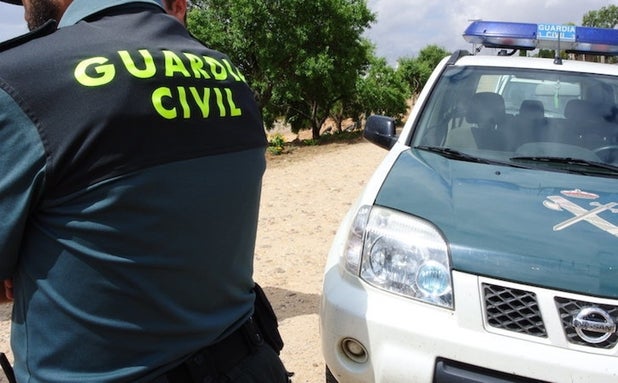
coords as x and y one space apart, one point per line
561 203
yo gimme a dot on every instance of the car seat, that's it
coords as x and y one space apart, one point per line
529 125
486 111
587 126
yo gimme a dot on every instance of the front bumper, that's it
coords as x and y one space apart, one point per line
406 340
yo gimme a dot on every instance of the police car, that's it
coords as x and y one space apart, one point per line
485 246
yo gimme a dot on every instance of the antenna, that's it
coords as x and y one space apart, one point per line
557 58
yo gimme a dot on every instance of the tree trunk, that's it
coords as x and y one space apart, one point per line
339 122
316 126
315 131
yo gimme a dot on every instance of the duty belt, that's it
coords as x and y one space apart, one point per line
217 358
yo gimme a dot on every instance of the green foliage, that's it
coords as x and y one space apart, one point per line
311 142
606 17
300 57
350 136
416 71
382 90
546 53
432 55
276 144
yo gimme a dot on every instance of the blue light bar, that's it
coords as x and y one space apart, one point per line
499 34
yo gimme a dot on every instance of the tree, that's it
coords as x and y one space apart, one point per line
432 55
300 57
382 90
606 17
416 71
247 32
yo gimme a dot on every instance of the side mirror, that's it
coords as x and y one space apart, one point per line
380 130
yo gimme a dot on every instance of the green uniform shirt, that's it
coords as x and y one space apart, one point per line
131 159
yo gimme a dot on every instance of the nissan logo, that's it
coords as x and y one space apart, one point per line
594 325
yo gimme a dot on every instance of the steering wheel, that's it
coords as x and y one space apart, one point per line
607 153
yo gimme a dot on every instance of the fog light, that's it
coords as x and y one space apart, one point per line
354 350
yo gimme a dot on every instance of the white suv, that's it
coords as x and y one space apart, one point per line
485 246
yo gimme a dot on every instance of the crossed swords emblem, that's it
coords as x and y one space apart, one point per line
559 203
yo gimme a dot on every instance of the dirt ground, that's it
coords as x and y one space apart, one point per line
306 193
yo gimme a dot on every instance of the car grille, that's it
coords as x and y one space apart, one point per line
568 308
513 310
518 310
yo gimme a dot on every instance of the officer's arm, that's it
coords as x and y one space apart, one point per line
22 166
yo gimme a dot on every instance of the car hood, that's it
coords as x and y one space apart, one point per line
549 229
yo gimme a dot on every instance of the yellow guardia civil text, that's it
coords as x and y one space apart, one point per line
170 102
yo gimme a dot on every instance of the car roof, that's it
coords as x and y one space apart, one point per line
538 63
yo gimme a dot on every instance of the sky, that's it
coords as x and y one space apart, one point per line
404 27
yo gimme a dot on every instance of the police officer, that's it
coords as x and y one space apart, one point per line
131 160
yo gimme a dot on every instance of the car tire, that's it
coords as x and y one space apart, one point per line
329 377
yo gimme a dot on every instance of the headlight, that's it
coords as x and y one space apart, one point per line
401 254
354 244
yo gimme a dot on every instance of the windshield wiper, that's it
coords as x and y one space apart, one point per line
460 156
451 153
580 165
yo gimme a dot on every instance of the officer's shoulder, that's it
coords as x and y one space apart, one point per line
46 29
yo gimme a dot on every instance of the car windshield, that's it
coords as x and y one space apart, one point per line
525 117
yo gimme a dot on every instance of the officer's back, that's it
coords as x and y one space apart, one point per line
136 162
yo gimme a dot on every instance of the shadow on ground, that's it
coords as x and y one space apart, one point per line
288 304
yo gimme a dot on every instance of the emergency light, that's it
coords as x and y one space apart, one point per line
499 34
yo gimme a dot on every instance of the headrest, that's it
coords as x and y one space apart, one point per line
486 109
532 109
580 110
599 93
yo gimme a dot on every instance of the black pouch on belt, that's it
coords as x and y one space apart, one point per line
266 319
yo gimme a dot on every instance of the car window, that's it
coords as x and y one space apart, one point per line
501 113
